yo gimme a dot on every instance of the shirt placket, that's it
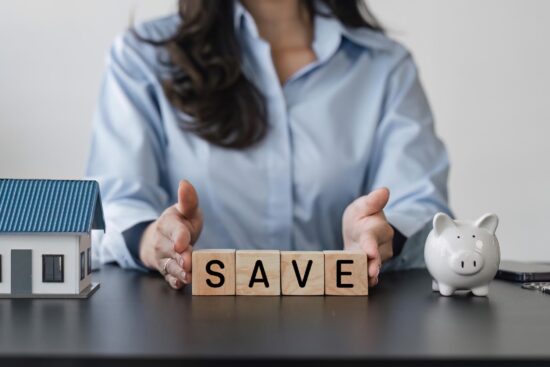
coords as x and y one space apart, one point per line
277 147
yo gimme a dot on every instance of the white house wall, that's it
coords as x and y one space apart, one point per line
84 244
43 244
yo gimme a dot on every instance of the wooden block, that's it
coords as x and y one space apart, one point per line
213 272
346 273
258 272
302 273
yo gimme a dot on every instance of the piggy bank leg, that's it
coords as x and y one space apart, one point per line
446 290
435 286
481 291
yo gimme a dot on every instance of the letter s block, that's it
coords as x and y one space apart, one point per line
302 273
346 273
258 272
213 272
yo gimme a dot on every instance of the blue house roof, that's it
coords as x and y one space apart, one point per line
50 206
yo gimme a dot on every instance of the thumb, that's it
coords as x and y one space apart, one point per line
188 200
374 202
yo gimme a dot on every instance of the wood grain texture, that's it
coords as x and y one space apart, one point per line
258 272
346 273
295 266
213 272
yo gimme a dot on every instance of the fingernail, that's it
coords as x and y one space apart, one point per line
182 276
181 262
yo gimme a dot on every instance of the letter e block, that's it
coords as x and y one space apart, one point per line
258 272
213 272
346 273
302 273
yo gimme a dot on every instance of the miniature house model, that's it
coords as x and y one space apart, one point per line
45 237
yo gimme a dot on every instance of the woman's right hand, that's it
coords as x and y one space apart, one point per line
167 243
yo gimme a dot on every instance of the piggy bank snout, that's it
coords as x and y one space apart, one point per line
466 262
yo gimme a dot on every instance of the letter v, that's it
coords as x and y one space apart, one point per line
302 281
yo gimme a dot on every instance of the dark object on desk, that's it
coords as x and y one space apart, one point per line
543 287
523 272
136 319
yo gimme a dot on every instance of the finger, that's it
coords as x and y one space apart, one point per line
386 251
188 200
181 238
172 267
373 281
173 281
164 248
195 225
370 246
186 259
376 226
187 279
188 207
371 203
374 266
177 231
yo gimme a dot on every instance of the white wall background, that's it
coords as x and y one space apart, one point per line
484 63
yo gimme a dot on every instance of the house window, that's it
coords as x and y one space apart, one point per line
52 269
82 265
89 254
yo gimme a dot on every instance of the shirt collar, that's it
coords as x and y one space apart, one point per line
327 31
243 20
327 35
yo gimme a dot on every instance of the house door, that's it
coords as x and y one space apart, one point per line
21 271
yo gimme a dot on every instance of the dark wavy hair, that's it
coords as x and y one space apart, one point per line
207 81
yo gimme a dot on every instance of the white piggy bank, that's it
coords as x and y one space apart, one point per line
462 255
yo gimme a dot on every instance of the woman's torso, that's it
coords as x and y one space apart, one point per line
354 119
289 191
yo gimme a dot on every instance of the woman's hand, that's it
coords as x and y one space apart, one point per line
364 226
167 243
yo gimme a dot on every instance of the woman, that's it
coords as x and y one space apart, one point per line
283 116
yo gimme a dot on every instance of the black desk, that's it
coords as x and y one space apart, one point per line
136 316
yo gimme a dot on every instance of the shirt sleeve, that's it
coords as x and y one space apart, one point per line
409 159
127 151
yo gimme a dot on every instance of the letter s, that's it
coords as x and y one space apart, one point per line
215 273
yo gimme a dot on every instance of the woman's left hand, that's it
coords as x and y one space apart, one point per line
364 226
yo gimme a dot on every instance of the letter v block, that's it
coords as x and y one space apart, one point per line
213 272
346 273
258 272
302 273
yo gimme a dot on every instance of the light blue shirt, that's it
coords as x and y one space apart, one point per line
353 120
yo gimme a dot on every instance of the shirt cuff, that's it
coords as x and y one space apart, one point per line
132 238
399 240
122 216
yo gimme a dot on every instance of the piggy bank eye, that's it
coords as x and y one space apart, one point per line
473 236
457 236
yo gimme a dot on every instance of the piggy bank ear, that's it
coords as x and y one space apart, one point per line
488 222
441 222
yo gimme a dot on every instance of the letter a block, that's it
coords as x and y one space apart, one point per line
302 273
258 272
346 273
213 272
